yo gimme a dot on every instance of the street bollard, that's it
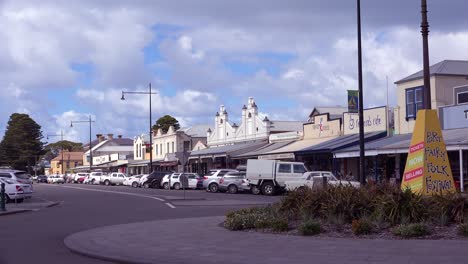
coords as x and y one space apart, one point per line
2 198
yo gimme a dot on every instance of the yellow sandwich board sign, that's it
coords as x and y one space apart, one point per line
427 169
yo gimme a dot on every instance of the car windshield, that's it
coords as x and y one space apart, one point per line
22 175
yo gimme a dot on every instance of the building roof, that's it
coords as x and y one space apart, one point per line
299 145
117 142
73 155
285 126
333 111
263 149
196 131
445 67
341 142
454 139
228 150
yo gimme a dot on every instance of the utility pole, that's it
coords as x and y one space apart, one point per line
425 33
362 171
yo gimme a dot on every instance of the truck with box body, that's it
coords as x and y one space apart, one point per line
269 176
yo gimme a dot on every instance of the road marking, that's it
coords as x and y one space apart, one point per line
124 193
170 205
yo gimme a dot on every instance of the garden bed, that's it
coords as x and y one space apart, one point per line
373 212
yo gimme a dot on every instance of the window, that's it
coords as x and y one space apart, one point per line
160 149
462 97
298 168
172 146
284 168
221 121
68 164
250 115
186 145
156 148
167 149
414 101
5 175
76 164
313 175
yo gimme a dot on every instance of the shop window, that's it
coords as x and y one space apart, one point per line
414 102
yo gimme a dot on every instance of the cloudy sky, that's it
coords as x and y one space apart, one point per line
65 60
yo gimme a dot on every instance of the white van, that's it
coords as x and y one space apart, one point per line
267 176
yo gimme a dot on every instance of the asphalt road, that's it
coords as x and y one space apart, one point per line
37 237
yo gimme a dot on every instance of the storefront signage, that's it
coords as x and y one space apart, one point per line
277 156
101 159
284 136
322 127
375 119
427 169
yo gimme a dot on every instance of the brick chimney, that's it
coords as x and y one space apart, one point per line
110 136
100 137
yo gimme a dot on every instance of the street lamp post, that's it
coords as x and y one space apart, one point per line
425 33
61 140
90 140
362 174
150 121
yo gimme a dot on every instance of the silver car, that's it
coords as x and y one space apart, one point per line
233 182
211 179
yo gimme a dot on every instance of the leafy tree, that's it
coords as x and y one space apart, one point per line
165 122
21 145
53 149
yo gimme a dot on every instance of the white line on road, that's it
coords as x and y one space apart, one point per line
124 193
170 205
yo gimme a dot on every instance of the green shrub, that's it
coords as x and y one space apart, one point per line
411 230
255 217
463 229
280 225
446 208
361 227
309 228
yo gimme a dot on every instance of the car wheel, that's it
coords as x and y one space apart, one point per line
166 186
232 188
135 184
177 186
268 188
107 182
7 198
155 185
255 190
213 187
20 200
92 181
146 185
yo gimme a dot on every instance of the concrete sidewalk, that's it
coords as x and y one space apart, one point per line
34 204
202 240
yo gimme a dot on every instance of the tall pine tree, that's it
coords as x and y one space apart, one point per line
21 145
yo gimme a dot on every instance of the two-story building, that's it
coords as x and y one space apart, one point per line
69 160
228 139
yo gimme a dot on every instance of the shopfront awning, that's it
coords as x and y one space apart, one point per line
288 151
228 150
455 139
262 150
340 143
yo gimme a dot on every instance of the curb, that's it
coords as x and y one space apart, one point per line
53 204
98 256
15 212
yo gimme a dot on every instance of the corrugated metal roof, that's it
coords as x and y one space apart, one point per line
400 143
231 150
340 143
446 67
264 149
196 131
286 126
299 145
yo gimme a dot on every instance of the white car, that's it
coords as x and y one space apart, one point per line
16 191
173 181
55 179
16 175
133 181
311 176
142 180
94 177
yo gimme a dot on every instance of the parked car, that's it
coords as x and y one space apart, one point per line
133 180
269 176
115 178
142 180
154 179
42 178
80 177
211 180
56 179
94 177
167 182
16 175
233 182
34 178
16 191
313 177
174 181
